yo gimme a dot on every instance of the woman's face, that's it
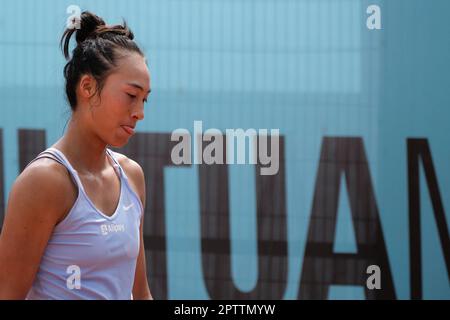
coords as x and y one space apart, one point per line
121 104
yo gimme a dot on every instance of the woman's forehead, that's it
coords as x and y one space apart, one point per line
133 69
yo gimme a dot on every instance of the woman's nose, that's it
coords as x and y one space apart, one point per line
138 113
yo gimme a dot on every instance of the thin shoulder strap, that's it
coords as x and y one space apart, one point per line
45 154
61 157
63 160
116 164
118 167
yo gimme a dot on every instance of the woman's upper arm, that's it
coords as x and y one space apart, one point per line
36 202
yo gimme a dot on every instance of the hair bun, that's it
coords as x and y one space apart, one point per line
112 31
94 27
89 23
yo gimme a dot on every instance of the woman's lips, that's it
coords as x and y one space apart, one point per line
128 130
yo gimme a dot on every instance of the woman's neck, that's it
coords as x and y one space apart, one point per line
85 151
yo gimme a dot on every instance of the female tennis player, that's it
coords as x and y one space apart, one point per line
74 218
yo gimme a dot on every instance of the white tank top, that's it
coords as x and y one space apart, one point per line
91 255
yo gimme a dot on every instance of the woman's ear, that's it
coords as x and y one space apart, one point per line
87 86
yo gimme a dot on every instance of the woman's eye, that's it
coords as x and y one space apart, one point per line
131 96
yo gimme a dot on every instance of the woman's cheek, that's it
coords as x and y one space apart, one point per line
126 102
120 103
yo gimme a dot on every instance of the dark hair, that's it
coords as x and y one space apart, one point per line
98 48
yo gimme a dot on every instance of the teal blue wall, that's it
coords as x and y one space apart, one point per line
309 67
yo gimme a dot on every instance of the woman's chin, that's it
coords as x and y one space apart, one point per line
118 143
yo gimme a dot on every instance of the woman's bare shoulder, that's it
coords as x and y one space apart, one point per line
47 184
45 172
129 165
134 172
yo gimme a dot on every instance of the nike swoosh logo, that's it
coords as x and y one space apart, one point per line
126 208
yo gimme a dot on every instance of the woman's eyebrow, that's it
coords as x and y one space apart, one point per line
138 86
